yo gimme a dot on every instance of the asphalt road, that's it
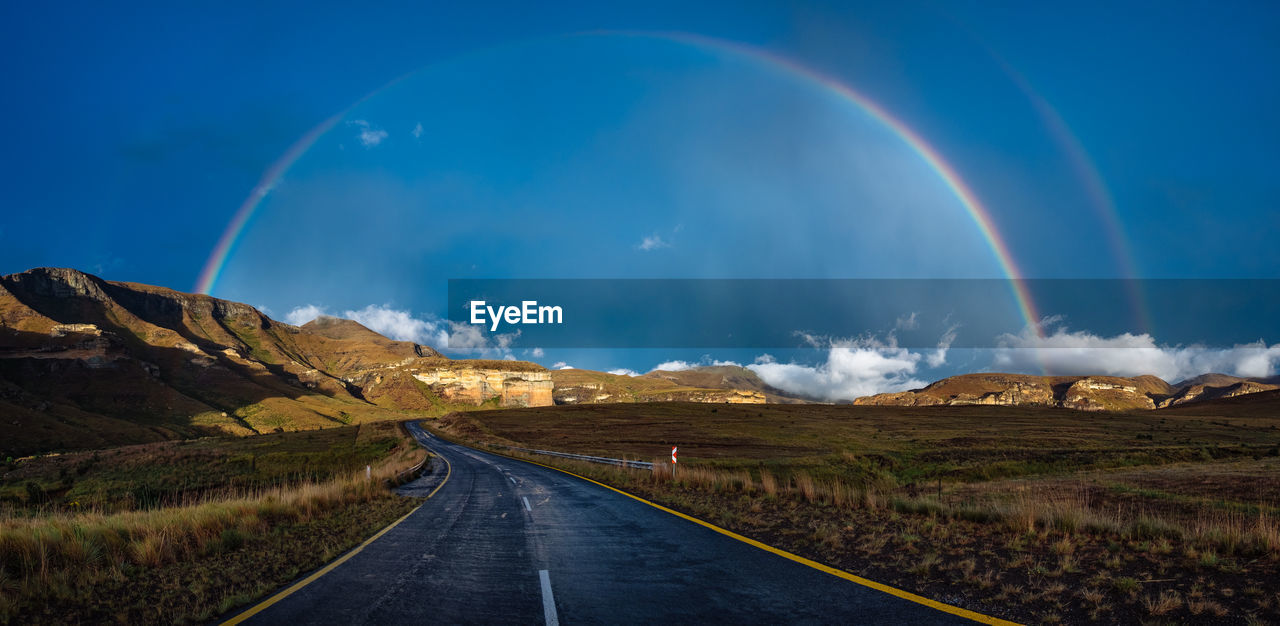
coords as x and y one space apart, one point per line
511 542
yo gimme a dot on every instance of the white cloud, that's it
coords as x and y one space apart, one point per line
445 335
907 322
705 361
853 368
536 353
653 242
369 136
624 372
561 365
938 357
303 314
674 366
401 325
417 131
1066 352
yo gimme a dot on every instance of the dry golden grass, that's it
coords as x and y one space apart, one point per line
51 556
1167 602
1068 511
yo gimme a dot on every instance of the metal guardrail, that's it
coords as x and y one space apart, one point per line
399 480
412 470
583 457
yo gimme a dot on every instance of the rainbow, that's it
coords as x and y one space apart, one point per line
222 251
217 260
979 213
1094 186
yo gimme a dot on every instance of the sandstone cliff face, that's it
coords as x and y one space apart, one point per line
1017 393
900 398
1092 394
477 386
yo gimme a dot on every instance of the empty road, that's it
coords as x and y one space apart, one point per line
504 541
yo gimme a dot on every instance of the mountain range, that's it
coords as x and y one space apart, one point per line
1084 393
89 363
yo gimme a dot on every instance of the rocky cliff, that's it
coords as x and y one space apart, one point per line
1205 392
477 386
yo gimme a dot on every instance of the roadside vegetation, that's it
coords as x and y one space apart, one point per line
185 531
1038 516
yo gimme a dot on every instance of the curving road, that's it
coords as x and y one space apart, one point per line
509 542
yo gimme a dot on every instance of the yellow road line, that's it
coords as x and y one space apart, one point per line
265 604
894 591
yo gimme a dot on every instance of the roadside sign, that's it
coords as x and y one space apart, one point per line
673 455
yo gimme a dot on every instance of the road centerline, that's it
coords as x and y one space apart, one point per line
548 599
526 504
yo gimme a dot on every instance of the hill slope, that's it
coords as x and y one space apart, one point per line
86 362
725 377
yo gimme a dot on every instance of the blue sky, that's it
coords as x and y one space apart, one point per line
134 134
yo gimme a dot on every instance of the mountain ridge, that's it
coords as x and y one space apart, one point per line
1085 393
86 362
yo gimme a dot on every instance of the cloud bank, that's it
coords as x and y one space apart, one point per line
853 368
1066 352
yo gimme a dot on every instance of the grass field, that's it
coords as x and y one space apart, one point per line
185 531
176 472
1037 515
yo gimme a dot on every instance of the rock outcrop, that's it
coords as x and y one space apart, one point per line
1202 392
477 386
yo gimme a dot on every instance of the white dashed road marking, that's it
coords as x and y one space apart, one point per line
548 600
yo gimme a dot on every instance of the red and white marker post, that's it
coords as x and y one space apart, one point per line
673 462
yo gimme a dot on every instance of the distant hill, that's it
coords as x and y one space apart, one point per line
726 377
1259 404
1211 380
576 386
1086 393
86 362
340 329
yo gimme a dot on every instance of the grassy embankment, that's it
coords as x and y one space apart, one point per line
1031 514
184 531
